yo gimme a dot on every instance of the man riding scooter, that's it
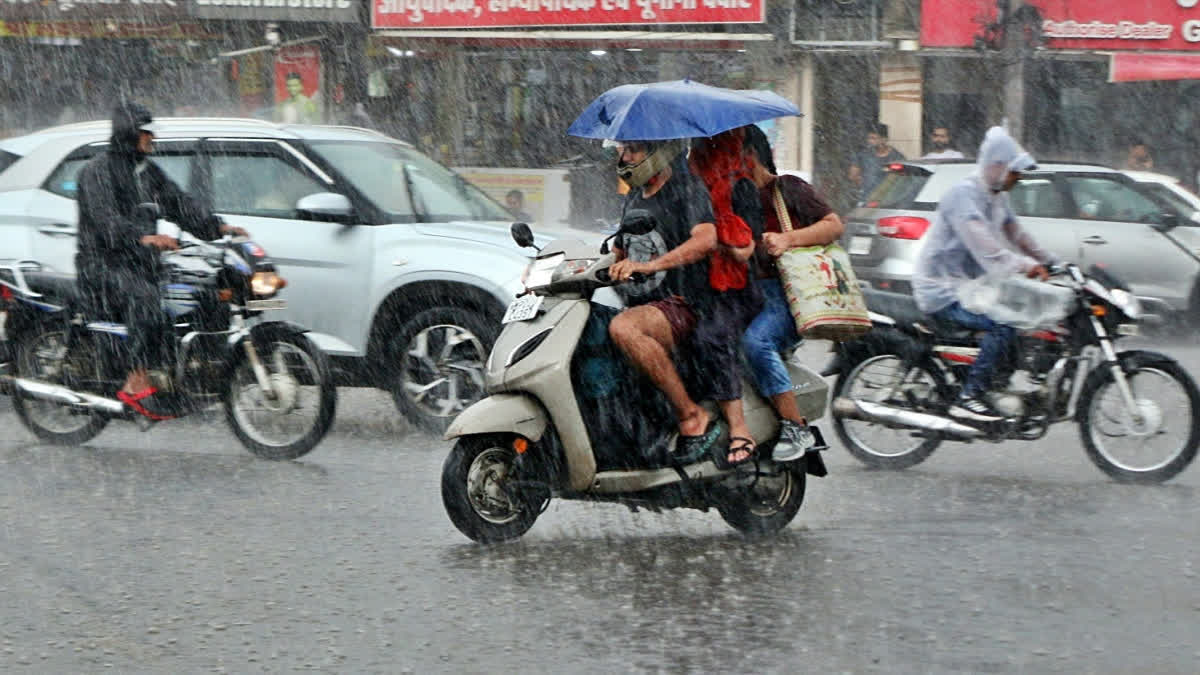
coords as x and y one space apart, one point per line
672 303
117 260
974 234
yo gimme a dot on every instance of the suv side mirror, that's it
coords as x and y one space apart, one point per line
1167 222
329 207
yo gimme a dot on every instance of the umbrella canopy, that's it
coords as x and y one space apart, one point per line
675 109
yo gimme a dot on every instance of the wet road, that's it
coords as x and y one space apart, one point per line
177 551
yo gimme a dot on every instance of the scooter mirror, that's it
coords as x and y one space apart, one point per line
522 234
638 221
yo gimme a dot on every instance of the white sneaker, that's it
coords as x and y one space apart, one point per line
794 441
974 410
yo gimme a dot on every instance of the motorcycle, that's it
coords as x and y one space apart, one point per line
568 417
276 386
1137 410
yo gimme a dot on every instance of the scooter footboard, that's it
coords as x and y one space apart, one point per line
501 413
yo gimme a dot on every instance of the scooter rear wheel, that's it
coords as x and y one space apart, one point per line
478 494
768 505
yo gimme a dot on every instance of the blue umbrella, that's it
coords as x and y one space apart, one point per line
676 109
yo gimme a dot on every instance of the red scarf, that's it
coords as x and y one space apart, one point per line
718 162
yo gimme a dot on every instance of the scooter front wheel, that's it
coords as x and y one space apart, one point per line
479 492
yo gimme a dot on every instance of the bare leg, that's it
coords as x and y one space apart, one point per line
785 405
644 335
735 415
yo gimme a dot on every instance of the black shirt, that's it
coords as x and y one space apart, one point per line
680 205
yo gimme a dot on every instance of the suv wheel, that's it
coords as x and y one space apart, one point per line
436 365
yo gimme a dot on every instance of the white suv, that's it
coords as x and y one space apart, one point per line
400 267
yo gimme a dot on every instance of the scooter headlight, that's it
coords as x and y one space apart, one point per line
570 268
265 284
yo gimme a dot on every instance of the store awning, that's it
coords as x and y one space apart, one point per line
615 39
1126 67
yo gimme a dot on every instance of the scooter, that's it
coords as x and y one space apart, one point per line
568 417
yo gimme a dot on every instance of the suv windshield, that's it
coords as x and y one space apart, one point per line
408 185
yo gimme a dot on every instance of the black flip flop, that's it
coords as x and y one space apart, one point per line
736 444
692 449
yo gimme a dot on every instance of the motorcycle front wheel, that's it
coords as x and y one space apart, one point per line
1163 441
479 491
885 379
290 421
42 355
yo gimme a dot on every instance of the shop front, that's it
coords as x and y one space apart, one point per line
495 88
1091 77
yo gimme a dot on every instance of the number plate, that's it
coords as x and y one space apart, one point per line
262 305
523 308
860 245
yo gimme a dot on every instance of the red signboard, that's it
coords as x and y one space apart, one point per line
1134 67
1073 24
548 13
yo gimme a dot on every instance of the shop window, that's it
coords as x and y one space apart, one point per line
252 184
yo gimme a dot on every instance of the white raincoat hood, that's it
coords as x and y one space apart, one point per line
1000 154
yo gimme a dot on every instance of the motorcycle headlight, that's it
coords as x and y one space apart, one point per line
1127 302
570 268
265 284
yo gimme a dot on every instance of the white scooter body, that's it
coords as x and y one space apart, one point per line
529 384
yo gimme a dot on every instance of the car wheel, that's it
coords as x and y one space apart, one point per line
436 361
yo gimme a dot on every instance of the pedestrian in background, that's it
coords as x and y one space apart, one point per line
943 146
868 167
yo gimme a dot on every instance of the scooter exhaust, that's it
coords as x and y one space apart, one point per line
57 394
891 415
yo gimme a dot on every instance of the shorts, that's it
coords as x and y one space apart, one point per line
679 315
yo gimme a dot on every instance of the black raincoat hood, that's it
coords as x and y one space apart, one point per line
127 121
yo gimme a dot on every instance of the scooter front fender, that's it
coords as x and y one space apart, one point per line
501 413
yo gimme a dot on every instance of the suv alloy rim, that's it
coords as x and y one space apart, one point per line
443 369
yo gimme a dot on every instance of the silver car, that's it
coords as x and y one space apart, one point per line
400 267
1084 213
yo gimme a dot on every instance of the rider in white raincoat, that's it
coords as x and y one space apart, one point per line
976 233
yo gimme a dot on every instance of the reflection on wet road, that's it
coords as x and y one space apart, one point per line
176 551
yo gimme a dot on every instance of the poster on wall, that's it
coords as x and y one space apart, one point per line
298 85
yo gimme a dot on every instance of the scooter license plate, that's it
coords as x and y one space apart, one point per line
523 308
860 245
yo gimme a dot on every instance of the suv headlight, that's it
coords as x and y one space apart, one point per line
265 284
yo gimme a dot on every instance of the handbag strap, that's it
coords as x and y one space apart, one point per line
785 220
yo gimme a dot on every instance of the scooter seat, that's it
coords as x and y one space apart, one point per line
903 309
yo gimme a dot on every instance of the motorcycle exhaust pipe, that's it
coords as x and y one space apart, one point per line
57 394
891 415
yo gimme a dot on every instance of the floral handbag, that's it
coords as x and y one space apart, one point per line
821 288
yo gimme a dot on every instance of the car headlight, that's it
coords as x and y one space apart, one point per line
266 284
1127 302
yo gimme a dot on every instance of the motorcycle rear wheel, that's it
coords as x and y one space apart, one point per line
42 355
1116 445
877 445
767 506
303 374
476 495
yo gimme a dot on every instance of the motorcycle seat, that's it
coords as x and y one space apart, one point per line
55 287
908 317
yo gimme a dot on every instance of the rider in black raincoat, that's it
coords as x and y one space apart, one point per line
118 257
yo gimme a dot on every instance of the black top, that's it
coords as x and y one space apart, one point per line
110 187
680 205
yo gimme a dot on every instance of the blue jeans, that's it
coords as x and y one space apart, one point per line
992 349
770 333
